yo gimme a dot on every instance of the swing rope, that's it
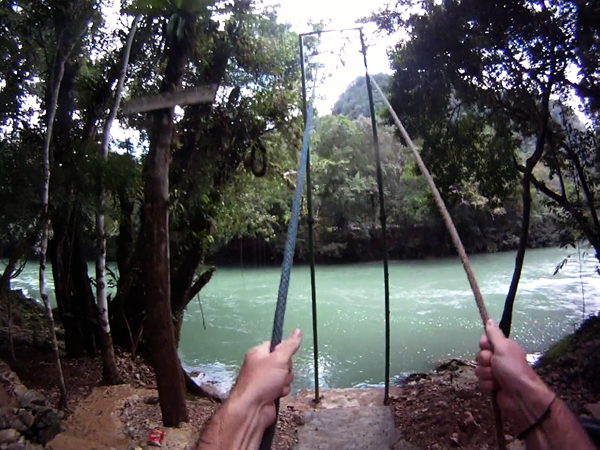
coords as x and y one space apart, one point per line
288 258
500 439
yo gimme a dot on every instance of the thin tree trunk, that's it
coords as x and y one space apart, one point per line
56 80
506 322
110 373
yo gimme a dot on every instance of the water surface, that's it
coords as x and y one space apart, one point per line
433 313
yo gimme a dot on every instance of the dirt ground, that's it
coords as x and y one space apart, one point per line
443 410
446 410
132 415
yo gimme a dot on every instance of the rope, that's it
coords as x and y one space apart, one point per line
501 441
288 259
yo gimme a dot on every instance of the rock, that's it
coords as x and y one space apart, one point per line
25 417
593 409
49 423
469 422
9 436
32 397
11 418
152 400
297 419
414 378
517 445
19 390
454 439
6 413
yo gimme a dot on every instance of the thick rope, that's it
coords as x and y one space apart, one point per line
288 258
501 440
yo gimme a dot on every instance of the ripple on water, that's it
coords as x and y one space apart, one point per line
433 315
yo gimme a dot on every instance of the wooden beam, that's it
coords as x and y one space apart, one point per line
202 94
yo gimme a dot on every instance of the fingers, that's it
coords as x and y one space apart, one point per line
484 358
485 344
487 382
484 373
290 346
494 334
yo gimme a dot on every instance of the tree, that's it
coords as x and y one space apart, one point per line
66 40
169 377
354 101
505 64
252 58
110 373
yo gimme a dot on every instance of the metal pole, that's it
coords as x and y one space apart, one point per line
382 218
311 222
339 30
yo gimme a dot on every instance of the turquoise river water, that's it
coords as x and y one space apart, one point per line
433 314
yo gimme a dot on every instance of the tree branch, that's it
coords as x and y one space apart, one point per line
584 184
570 208
199 284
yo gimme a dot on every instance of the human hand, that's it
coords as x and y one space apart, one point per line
503 368
267 376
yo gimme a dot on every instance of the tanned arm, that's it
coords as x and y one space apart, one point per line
250 409
523 395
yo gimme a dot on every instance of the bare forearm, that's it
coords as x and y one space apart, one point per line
234 427
559 430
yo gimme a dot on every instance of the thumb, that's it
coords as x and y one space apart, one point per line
494 334
290 345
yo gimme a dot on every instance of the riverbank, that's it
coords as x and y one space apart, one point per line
436 410
445 408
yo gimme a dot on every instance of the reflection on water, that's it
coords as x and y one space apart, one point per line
433 313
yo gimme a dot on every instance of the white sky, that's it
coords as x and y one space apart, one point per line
339 14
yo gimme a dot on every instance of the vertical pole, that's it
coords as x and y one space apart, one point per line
382 218
311 222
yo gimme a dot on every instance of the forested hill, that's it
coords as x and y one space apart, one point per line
354 101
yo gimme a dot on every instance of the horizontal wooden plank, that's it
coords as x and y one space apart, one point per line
201 94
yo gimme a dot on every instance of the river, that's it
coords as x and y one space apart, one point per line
433 313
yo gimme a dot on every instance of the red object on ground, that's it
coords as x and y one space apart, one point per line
156 438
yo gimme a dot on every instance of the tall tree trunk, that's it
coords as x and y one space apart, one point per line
56 80
506 322
110 374
169 377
